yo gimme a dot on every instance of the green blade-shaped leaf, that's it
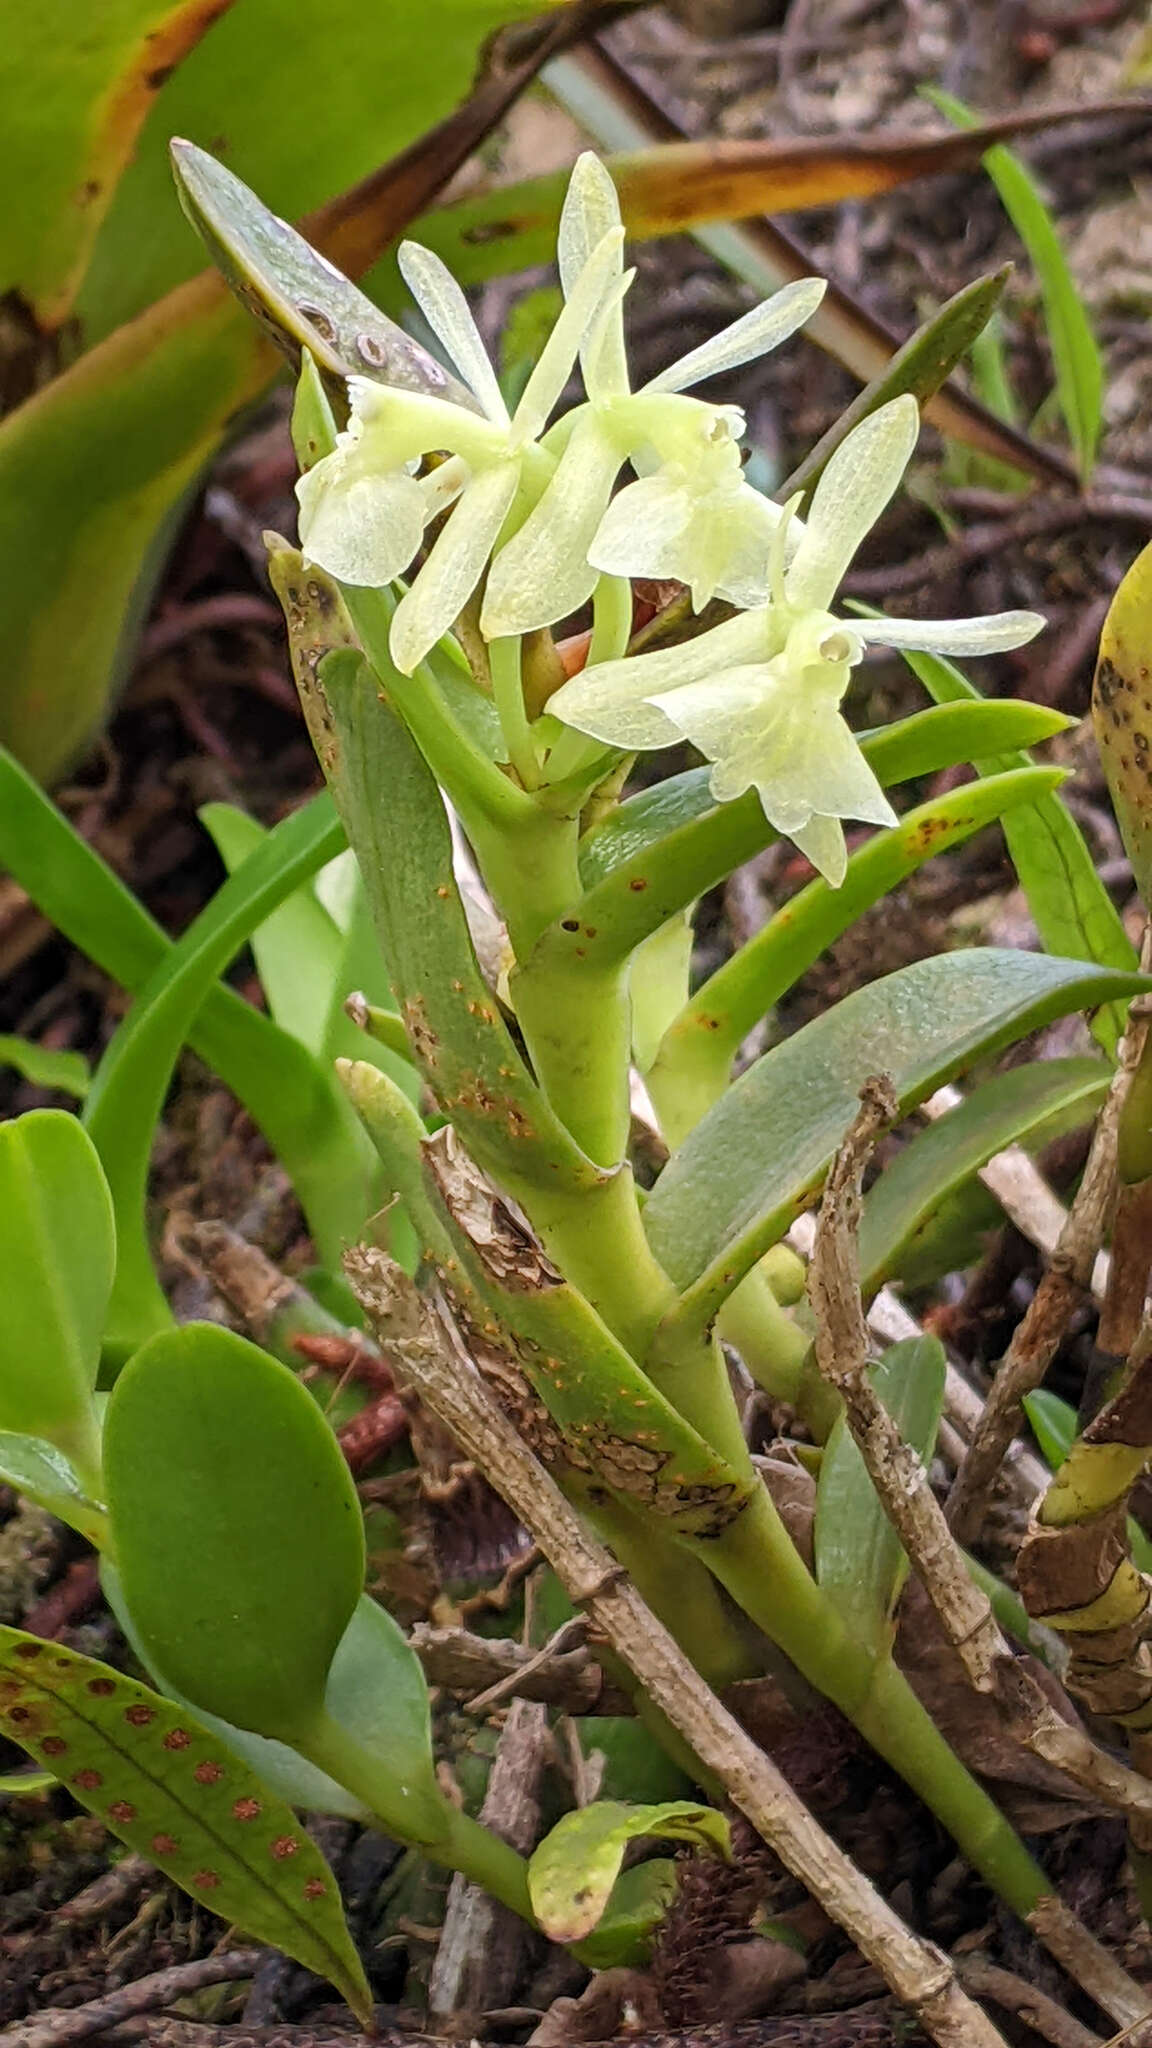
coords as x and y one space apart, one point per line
669 845
46 1066
738 1181
1075 352
236 1527
692 1068
1122 714
458 1035
860 1562
921 366
941 1159
134 1075
294 1101
571 1874
1071 908
57 1255
74 106
297 947
151 403
36 1468
172 1791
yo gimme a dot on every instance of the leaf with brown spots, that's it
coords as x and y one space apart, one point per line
176 1794
1122 714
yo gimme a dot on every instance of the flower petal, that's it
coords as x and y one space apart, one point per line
361 526
446 310
591 209
395 426
848 500
714 541
990 634
604 702
781 733
599 700
754 334
447 579
544 572
822 842
597 283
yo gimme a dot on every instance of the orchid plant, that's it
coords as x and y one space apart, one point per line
531 967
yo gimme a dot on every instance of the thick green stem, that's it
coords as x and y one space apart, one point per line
772 1346
757 1562
460 1843
577 1030
597 1239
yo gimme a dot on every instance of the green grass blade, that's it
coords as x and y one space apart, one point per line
1071 908
128 1093
295 1102
1075 352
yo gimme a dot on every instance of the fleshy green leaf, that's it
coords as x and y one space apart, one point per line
134 1075
376 1693
236 1527
175 1794
47 1067
1075 352
295 1101
760 1155
692 1068
571 1874
938 1161
860 1562
666 846
25 1784
57 1255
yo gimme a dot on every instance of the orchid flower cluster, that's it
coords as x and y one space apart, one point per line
536 525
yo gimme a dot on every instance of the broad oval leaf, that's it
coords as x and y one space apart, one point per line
168 1788
571 1874
860 1562
235 1526
57 1254
376 1693
941 1159
760 1155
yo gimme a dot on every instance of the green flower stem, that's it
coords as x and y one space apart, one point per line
577 1027
508 692
462 1843
772 1346
611 619
759 1565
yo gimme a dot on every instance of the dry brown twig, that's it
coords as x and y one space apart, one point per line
426 1342
59 2025
963 1610
1038 1335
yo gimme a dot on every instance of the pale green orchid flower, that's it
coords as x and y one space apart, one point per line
690 515
760 696
363 511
